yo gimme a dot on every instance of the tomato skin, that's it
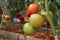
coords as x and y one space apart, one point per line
28 14
33 8
7 17
36 20
18 15
22 18
28 29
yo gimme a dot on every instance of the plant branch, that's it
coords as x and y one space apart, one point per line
49 17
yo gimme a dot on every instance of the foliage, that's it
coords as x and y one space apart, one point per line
53 9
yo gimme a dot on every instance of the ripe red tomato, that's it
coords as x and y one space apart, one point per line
28 14
22 18
18 15
33 8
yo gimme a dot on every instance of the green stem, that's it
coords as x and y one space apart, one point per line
36 1
5 8
18 4
0 18
40 3
49 17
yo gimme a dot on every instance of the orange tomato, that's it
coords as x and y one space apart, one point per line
7 17
28 14
33 8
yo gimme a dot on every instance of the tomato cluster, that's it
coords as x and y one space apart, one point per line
20 17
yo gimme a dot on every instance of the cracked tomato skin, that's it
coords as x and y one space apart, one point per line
33 8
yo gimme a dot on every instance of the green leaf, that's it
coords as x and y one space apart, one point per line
13 14
1 6
53 9
55 20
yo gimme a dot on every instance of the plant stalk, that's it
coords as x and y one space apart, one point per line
40 3
5 8
18 4
36 1
49 17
